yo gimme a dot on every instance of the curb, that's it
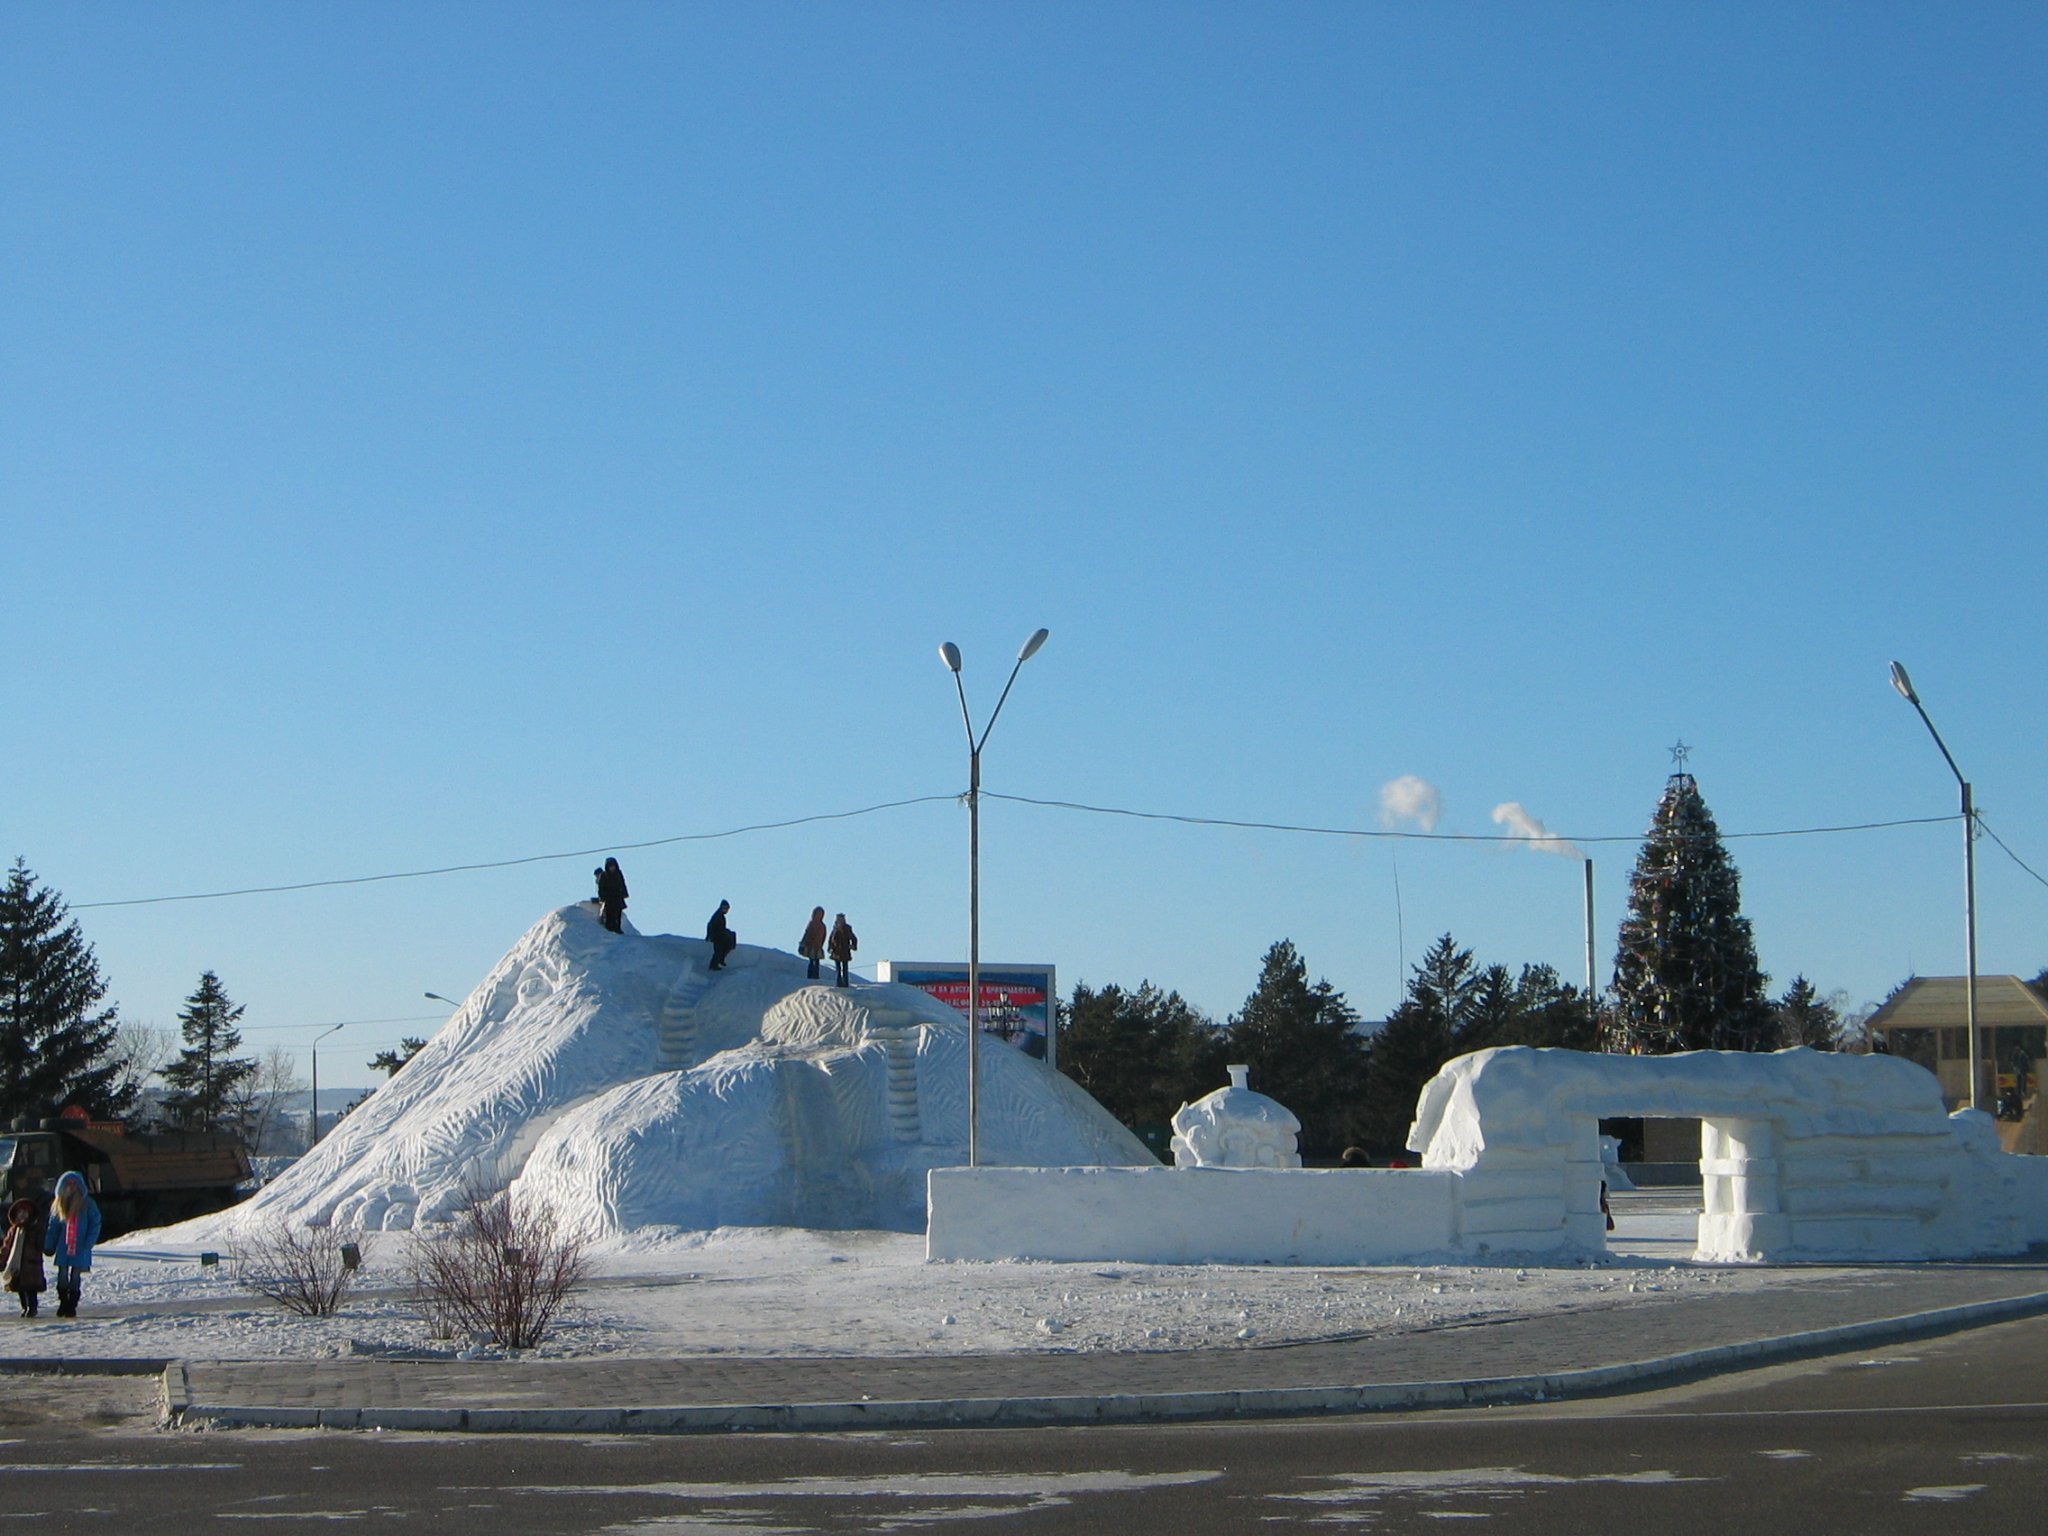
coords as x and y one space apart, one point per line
1148 1408
84 1365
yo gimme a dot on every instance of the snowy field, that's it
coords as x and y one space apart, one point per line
784 1291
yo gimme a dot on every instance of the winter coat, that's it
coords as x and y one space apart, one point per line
843 941
68 1241
812 945
717 930
24 1274
611 885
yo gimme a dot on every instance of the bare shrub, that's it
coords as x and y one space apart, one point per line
305 1270
503 1273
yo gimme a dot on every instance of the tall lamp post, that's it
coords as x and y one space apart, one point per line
435 997
950 654
313 1131
1904 684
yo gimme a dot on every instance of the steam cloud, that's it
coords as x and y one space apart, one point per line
1527 829
1410 799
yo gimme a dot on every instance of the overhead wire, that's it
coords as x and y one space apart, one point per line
1504 839
535 858
1444 837
1985 827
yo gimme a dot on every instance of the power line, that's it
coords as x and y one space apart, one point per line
2008 852
536 858
410 1018
1382 833
1442 837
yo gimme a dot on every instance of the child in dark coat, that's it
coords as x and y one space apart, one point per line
842 944
611 896
723 940
21 1255
812 945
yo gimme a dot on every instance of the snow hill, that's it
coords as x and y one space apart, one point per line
614 1077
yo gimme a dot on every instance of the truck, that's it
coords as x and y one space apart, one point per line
136 1179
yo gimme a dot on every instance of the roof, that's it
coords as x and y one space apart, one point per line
1940 1002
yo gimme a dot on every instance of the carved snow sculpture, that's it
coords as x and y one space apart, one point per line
613 1077
1235 1128
1804 1155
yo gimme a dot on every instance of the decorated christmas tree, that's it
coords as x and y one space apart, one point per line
1685 975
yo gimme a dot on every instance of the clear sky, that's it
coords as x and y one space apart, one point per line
440 434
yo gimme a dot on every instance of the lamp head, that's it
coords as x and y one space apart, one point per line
1031 646
1904 684
949 653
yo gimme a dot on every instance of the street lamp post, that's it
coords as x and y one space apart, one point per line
435 997
950 654
313 1130
1904 684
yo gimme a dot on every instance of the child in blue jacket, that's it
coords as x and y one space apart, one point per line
73 1227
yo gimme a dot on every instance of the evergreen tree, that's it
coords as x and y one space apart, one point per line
1548 1011
388 1062
205 1083
1804 1017
1454 1007
1141 1054
1685 975
1302 1044
57 1043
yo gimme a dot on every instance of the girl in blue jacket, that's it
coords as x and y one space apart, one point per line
73 1227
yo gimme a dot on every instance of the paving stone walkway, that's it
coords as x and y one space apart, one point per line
1591 1348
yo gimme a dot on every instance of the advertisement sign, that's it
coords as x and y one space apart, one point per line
1017 1001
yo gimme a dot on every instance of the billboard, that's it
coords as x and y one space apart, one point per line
1017 1001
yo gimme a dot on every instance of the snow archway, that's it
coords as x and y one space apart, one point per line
1803 1154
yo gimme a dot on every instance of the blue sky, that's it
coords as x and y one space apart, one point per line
443 434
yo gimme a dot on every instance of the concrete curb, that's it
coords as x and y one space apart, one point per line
1149 1408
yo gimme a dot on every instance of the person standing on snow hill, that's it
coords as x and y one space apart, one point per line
21 1255
611 895
812 945
723 940
843 944
73 1228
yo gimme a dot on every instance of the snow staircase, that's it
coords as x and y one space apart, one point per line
678 1032
897 1031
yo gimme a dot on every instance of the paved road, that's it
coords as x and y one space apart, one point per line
1941 1435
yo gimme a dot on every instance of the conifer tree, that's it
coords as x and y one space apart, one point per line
1806 1018
388 1062
1302 1044
57 1043
1454 1006
205 1082
1141 1054
1685 974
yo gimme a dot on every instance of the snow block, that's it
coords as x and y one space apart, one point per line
1344 1216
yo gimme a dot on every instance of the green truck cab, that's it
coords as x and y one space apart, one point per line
137 1180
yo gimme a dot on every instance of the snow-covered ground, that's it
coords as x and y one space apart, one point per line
787 1291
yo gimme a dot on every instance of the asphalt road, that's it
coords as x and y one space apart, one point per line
1937 1436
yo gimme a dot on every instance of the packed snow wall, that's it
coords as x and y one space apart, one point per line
615 1078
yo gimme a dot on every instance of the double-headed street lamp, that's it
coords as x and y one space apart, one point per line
1905 686
950 654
